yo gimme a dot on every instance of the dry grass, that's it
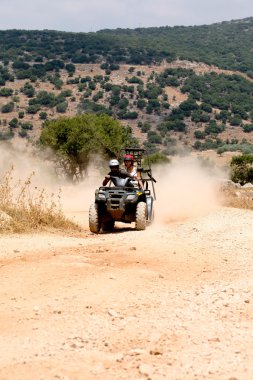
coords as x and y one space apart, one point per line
25 208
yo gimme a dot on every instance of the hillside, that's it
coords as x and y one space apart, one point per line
227 45
171 104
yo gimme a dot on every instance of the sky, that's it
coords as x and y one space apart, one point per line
93 15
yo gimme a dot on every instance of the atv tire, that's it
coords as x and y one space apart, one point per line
140 217
94 219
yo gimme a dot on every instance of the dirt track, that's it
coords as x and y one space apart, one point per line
171 302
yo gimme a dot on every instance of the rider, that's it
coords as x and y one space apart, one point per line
115 171
131 169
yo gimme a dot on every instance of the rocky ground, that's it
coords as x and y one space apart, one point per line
172 302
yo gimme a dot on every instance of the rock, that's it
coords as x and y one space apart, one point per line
228 184
133 249
146 369
57 311
248 186
5 219
137 351
119 357
112 313
155 351
215 340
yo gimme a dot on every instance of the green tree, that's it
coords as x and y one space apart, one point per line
76 139
70 68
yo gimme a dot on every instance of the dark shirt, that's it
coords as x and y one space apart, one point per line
121 173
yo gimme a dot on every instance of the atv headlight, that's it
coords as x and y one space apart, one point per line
101 196
130 197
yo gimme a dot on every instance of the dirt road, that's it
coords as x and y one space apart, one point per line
172 302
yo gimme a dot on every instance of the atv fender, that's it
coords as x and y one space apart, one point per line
149 201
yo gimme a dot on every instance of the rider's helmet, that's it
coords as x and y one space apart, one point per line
113 163
128 157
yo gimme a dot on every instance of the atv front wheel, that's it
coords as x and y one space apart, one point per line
140 217
94 219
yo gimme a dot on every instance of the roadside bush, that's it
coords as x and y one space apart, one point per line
242 169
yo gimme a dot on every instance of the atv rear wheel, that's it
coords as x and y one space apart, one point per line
140 217
94 218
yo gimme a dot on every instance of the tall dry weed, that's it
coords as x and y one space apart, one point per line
24 207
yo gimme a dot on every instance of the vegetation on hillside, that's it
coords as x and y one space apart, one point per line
213 102
227 45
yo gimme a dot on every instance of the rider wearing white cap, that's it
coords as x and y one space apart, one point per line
115 171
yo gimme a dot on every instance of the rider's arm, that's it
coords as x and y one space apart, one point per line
125 174
106 179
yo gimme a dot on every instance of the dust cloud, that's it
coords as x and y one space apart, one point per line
184 189
28 161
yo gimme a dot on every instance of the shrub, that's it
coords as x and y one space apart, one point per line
6 135
242 169
29 208
9 107
199 135
13 123
62 107
33 109
28 126
154 138
43 115
248 128
21 114
6 92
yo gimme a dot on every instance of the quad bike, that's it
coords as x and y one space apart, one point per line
123 200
